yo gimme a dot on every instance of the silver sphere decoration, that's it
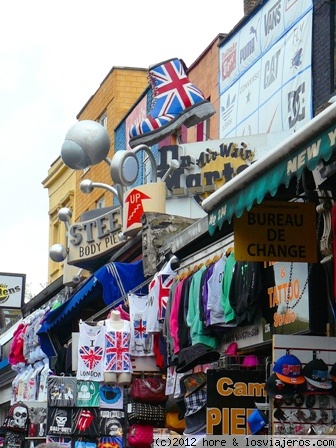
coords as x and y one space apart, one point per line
86 186
86 143
58 253
65 214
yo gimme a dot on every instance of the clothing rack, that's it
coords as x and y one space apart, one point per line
145 374
203 257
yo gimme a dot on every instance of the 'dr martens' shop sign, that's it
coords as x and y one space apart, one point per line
277 231
231 398
205 166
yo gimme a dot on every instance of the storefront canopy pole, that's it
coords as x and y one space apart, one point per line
282 151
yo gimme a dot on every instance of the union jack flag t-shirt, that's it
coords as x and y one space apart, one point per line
117 355
91 351
141 343
158 294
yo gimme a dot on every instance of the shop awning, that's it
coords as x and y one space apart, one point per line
304 149
111 283
67 310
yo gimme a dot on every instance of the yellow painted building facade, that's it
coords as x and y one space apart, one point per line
114 97
61 184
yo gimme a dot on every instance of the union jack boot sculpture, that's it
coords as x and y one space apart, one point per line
176 102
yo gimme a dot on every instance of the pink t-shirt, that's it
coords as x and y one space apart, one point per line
174 316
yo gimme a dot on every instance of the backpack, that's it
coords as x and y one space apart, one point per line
17 419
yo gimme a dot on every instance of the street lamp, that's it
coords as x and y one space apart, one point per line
87 143
87 186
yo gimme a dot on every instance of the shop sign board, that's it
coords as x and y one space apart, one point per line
12 290
277 231
265 70
94 238
141 199
206 166
231 397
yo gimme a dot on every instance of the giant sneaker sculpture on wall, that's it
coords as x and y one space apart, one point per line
175 102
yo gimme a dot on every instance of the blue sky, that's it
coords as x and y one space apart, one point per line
53 57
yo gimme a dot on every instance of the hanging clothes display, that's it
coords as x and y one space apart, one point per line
117 355
193 315
91 349
173 322
245 291
118 279
141 343
166 330
158 293
229 314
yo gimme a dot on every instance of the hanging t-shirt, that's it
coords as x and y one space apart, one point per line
158 293
216 315
62 391
166 330
204 296
87 393
25 383
111 422
15 385
229 313
33 382
22 382
245 291
59 421
43 378
117 355
197 333
141 343
111 396
174 314
85 422
91 343
16 356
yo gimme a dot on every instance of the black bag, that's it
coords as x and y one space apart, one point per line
146 414
17 419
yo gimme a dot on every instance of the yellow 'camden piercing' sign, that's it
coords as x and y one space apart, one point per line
277 231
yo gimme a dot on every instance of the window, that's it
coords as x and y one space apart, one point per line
103 120
206 130
101 202
203 131
146 169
